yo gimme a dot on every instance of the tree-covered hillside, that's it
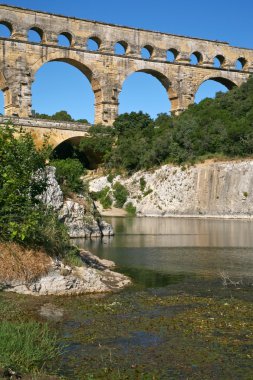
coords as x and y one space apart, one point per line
215 127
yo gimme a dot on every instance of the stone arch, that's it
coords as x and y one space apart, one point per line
221 60
197 56
37 29
62 138
69 36
65 148
172 94
74 60
164 80
149 49
172 55
124 45
94 38
225 81
8 25
242 63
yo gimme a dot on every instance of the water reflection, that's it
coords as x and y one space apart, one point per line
179 245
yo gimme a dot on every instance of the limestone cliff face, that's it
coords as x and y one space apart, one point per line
222 189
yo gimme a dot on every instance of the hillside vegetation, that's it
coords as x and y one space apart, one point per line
220 127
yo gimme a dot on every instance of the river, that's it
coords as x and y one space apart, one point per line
177 246
188 314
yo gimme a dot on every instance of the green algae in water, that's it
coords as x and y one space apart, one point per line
138 335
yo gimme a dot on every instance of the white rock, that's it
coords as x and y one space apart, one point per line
219 189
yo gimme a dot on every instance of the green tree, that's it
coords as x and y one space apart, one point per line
20 185
62 116
23 218
120 194
68 173
214 127
99 143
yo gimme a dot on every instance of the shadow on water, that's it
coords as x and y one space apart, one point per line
146 278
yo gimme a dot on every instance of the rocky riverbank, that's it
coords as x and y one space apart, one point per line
211 189
35 273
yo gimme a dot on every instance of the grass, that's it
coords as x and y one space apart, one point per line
73 258
26 345
20 263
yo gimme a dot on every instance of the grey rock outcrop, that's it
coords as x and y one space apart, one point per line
79 215
53 196
211 189
94 276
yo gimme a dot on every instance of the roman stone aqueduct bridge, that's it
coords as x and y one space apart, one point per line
106 70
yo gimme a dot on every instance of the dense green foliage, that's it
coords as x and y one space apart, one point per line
220 127
103 196
130 209
23 218
99 143
19 186
120 194
58 116
68 173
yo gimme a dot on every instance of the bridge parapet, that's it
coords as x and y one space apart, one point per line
43 123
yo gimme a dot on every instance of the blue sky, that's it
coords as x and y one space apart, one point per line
229 21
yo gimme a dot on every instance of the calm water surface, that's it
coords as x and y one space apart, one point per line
167 248
177 321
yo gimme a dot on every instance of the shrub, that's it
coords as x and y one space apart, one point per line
20 211
52 233
142 184
98 195
120 194
147 192
73 258
106 202
99 142
23 218
111 177
68 173
130 209
103 197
